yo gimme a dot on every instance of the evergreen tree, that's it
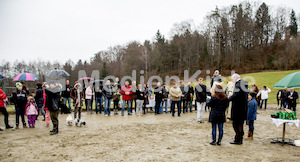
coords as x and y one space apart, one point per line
293 24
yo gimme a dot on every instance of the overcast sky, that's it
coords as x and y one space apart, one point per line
77 29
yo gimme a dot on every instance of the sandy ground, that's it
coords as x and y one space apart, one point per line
144 138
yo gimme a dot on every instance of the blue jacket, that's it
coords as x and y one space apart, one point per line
252 109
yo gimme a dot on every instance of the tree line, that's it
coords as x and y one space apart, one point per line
247 37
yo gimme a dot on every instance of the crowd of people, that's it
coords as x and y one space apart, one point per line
235 101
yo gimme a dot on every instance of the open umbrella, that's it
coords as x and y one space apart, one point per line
289 81
86 78
55 74
26 77
2 76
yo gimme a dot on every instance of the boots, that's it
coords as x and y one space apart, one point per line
250 136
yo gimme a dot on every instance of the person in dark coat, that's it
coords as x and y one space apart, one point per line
158 91
201 93
66 95
292 97
218 104
239 107
216 77
190 96
251 115
184 91
52 98
108 96
19 98
39 98
146 101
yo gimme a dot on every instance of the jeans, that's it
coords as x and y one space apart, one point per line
191 105
251 125
107 106
200 110
184 103
20 111
139 106
69 102
98 100
262 102
129 102
165 103
214 131
54 118
173 107
89 104
157 105
41 111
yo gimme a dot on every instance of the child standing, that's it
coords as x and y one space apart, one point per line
31 112
47 112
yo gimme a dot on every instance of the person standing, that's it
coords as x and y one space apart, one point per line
126 93
239 107
133 96
31 110
52 98
116 98
175 93
66 94
216 77
77 96
47 112
264 96
39 98
218 103
190 96
251 115
3 99
140 96
98 97
88 96
256 90
19 98
165 97
292 97
108 95
146 101
184 91
200 91
158 91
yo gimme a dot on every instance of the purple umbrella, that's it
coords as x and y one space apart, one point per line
26 77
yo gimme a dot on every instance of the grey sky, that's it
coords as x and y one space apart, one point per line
77 29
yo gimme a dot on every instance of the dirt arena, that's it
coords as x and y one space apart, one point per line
144 138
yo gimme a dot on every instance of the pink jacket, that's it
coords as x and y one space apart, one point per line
88 93
31 109
44 96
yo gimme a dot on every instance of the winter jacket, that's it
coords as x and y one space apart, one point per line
190 93
218 108
215 78
200 91
264 93
19 98
158 91
140 95
125 89
89 93
117 94
239 100
184 91
2 98
165 93
108 92
66 93
252 109
44 97
31 109
133 96
52 98
77 100
174 92
97 91
39 99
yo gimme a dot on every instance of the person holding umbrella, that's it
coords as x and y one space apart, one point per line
19 98
52 98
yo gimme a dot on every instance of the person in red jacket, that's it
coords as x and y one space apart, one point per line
3 109
126 92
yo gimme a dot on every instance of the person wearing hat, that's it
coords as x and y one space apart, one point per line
251 115
3 108
19 98
77 96
39 98
216 77
52 97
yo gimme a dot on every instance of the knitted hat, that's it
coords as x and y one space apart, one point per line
18 84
